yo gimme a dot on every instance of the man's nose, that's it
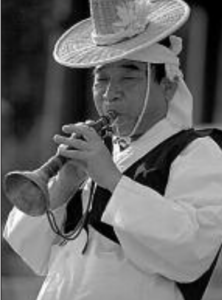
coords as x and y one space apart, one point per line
112 92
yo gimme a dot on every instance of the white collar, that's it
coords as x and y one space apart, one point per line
137 149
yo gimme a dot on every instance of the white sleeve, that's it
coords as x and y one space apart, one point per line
177 235
31 237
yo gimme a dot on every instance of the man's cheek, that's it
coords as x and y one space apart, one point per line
98 104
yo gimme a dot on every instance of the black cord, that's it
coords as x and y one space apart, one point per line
80 225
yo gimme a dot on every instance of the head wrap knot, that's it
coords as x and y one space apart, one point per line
172 69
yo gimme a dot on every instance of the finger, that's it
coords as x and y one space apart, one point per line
70 129
71 142
72 154
90 122
84 130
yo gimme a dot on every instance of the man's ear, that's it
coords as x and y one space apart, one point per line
169 88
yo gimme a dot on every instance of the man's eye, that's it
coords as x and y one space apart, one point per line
101 79
128 78
100 82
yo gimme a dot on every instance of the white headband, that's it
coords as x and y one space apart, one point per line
180 108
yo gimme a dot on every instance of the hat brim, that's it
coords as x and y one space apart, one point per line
76 48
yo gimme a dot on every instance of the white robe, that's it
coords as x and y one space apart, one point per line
163 239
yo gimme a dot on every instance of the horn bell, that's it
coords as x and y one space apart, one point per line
28 191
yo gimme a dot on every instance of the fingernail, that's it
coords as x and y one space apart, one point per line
55 138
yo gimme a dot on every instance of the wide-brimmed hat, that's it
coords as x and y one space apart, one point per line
118 28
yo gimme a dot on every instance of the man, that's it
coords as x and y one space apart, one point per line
152 223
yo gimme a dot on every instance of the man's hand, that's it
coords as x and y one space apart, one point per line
90 152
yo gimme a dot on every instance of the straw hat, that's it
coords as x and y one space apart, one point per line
118 28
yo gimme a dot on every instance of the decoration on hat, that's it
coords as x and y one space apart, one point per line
128 19
132 17
172 70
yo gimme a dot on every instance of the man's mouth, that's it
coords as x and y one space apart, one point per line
114 111
120 119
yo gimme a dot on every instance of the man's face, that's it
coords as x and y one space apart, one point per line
121 87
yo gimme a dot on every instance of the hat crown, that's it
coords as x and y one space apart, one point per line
116 20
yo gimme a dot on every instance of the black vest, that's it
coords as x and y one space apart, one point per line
151 170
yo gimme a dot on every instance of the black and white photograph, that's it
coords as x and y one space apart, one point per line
111 150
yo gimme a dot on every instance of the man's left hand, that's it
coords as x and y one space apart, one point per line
91 152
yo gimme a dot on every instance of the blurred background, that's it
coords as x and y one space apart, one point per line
38 96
